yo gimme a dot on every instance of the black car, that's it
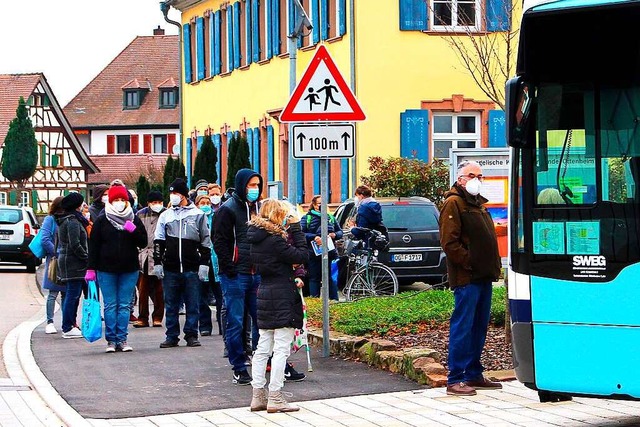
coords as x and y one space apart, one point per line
414 252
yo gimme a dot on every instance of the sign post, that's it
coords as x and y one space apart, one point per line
323 98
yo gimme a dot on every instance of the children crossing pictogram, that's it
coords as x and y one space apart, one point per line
322 94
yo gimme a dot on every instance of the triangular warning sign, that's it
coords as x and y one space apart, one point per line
322 95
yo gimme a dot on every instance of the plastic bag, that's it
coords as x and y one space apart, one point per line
36 246
91 316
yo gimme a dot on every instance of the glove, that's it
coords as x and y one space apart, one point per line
158 271
203 273
90 276
129 226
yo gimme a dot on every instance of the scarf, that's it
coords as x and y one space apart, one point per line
81 218
117 219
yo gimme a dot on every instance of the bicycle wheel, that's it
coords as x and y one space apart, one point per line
370 281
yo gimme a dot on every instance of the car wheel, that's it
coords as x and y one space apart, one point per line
31 265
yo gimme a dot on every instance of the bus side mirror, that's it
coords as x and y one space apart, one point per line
519 102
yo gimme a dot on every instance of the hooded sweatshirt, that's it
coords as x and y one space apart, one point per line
230 228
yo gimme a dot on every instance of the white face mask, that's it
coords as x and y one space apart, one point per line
175 199
105 199
156 207
215 200
473 186
119 206
87 216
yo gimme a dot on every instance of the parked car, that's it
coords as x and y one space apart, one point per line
414 252
18 226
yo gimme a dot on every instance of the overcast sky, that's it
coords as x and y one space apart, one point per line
71 41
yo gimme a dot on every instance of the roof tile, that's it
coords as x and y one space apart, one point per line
12 87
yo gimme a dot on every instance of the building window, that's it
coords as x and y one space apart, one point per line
160 144
168 98
124 144
3 198
24 198
454 14
131 99
459 130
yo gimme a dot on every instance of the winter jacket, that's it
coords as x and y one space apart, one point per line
72 248
468 238
230 228
279 303
115 251
150 220
369 215
49 230
182 241
96 209
311 227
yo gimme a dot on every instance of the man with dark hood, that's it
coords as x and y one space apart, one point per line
237 273
100 199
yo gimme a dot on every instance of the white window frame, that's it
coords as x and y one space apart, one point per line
454 17
454 136
24 198
165 143
3 197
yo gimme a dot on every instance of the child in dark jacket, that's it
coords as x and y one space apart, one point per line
279 303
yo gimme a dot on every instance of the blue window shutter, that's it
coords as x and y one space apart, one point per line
413 15
236 35
497 129
200 141
216 143
316 177
324 19
212 44
344 179
270 143
315 21
275 27
268 10
292 17
230 38
217 61
247 31
188 165
250 144
186 35
342 19
255 29
200 47
256 150
414 134
498 14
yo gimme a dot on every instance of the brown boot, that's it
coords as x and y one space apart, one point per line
460 389
277 403
259 399
140 324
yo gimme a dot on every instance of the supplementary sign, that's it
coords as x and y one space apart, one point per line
322 95
323 141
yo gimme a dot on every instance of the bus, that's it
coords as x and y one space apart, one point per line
573 127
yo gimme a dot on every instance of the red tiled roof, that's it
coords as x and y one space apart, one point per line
125 166
152 59
12 87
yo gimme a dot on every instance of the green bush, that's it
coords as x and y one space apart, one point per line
402 313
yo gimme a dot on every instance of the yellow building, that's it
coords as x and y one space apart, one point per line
418 99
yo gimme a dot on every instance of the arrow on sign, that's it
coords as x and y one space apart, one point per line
301 137
345 138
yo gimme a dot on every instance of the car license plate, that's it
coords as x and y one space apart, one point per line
5 237
406 257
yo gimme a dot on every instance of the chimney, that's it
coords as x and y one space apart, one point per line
158 31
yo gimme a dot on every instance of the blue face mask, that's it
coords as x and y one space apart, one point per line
206 209
284 222
253 194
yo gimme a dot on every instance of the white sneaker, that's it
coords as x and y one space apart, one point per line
50 329
111 348
73 333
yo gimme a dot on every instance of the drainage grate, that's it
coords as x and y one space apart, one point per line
15 388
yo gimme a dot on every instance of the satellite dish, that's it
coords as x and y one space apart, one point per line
176 149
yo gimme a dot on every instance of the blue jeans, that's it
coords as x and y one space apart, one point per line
468 331
315 278
70 304
117 289
51 303
240 293
179 287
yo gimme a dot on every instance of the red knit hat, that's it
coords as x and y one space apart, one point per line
118 192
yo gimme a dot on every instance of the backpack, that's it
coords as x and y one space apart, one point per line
378 243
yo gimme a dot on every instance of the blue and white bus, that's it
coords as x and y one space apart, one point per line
573 125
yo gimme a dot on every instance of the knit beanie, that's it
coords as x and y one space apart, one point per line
155 196
202 183
200 198
180 187
118 192
72 201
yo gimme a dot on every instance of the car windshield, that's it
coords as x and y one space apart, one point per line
10 216
409 217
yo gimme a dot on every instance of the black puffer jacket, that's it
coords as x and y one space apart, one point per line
115 251
72 247
279 303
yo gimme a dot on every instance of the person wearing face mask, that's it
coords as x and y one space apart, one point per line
181 254
237 273
115 240
100 199
369 214
202 189
468 238
215 195
149 286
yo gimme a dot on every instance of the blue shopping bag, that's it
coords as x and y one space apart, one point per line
335 270
91 316
36 246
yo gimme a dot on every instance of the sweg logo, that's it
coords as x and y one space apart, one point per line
589 261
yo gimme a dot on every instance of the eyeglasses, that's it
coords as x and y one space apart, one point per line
472 176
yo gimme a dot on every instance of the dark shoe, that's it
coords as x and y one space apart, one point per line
140 324
132 318
193 342
291 374
460 389
242 377
205 333
168 344
484 384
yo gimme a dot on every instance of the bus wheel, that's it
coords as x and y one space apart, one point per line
550 396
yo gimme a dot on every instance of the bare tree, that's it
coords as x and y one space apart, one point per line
488 56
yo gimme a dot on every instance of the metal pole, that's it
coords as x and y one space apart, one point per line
352 45
325 257
292 184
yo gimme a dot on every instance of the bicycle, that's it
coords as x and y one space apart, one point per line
366 277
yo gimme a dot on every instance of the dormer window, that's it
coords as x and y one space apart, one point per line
168 98
131 99
133 93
